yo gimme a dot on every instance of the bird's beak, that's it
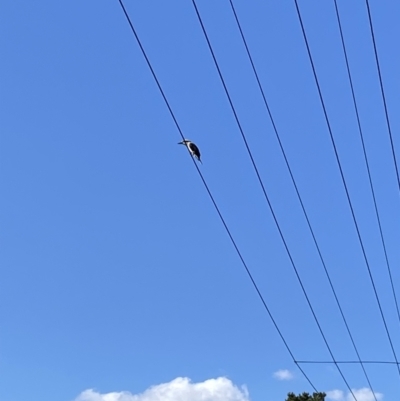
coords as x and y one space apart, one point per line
180 143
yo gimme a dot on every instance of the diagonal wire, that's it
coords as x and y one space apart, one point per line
383 93
296 188
366 159
213 200
344 180
266 196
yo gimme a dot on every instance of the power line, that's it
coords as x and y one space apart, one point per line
366 158
350 362
344 180
212 198
383 93
297 190
294 183
265 192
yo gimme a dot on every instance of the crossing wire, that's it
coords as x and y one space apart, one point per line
383 92
213 200
351 362
366 159
266 195
344 181
297 190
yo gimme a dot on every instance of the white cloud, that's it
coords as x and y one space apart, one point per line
336 395
364 394
361 394
180 389
283 374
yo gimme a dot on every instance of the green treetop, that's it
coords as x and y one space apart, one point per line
306 397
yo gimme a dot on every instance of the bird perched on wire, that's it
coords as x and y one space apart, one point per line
193 149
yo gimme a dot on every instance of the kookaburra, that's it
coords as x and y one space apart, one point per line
193 149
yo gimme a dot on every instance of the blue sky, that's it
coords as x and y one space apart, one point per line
116 272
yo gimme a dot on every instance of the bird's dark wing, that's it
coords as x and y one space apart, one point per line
194 149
